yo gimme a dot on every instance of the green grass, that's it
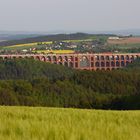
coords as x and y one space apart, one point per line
125 46
23 123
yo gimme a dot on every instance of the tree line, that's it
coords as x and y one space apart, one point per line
28 82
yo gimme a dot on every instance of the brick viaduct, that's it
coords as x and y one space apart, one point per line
104 61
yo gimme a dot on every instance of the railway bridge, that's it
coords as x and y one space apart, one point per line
102 61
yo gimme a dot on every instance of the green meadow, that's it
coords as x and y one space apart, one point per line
28 123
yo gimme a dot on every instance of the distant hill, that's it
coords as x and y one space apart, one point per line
45 38
7 37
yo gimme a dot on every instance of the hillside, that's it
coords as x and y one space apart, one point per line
68 124
47 38
34 83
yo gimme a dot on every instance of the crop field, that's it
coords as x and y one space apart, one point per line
124 46
36 44
25 45
130 40
28 123
55 51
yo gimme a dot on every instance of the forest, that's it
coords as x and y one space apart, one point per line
28 82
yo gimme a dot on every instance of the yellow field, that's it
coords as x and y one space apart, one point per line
28 123
26 45
55 51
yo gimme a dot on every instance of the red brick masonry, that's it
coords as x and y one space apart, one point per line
102 61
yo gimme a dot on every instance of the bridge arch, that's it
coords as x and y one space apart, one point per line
60 58
97 57
122 57
107 58
102 57
112 57
102 64
48 58
117 63
97 64
112 64
54 58
37 58
122 63
66 58
107 64
127 57
43 58
117 57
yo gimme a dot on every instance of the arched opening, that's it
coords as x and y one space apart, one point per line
71 58
29 57
102 64
97 57
107 64
108 69
117 57
132 57
48 59
117 63
54 58
112 64
20 57
84 62
14 57
60 58
102 57
5 58
66 58
43 58
97 64
112 57
127 57
122 63
92 59
122 57
107 57
37 58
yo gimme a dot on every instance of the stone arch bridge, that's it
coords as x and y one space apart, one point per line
104 61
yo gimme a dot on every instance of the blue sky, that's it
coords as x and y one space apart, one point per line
69 15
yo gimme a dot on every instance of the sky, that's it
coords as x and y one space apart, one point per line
69 15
